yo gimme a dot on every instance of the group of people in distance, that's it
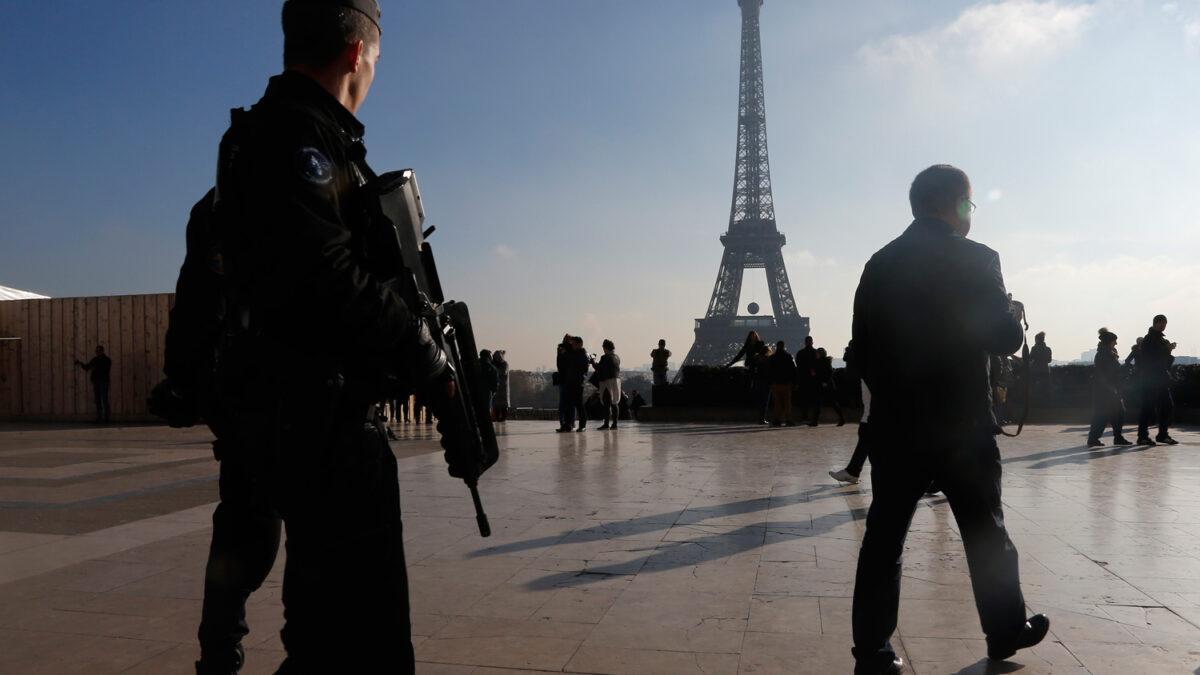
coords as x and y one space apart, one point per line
1147 368
775 375
573 363
493 371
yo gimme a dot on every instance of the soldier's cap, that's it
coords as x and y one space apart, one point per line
370 8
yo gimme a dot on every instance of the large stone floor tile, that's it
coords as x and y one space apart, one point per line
618 661
780 654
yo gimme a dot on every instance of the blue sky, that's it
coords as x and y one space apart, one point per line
577 158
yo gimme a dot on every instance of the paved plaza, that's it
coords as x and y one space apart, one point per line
682 548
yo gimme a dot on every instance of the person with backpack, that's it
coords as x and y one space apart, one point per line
279 283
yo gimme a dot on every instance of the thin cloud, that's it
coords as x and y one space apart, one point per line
1187 16
806 258
506 252
988 36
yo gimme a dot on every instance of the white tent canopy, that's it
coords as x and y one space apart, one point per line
7 293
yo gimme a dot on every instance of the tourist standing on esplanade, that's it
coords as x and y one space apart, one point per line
1106 392
560 365
1154 365
658 362
1040 356
755 351
101 366
608 375
573 368
824 390
781 373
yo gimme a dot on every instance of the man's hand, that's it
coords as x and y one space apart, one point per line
179 410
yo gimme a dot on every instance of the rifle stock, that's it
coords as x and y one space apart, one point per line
465 420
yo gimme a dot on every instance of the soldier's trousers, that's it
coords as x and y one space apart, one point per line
328 473
967 469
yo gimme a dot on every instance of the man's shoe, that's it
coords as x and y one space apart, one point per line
614 426
228 664
893 667
812 424
764 421
603 426
776 424
1167 440
843 476
581 428
1095 444
1030 634
1121 440
1145 440
562 429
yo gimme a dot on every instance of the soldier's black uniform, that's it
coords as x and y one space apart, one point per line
306 323
930 308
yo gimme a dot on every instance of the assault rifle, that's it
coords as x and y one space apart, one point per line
465 419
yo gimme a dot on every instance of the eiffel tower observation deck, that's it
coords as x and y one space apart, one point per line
752 240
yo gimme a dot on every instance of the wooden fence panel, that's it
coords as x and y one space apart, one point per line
26 326
55 332
45 356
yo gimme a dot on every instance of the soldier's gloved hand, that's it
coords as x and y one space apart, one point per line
428 361
178 409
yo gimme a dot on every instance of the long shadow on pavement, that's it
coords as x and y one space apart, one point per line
671 555
1074 455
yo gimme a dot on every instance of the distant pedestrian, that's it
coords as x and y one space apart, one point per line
564 350
756 352
1154 366
1040 356
658 362
825 390
858 459
1108 408
781 373
636 403
574 370
501 403
101 368
608 374
1134 351
806 363
489 375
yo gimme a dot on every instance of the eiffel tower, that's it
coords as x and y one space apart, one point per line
752 240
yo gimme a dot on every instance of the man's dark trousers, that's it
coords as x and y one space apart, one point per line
100 393
573 405
1155 396
966 465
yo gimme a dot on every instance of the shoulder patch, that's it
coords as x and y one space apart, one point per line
216 261
313 166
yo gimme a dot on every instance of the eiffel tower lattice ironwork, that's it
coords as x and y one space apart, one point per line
752 240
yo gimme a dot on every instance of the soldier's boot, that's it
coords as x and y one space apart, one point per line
228 662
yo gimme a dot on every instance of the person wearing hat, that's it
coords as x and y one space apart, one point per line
303 445
1106 392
